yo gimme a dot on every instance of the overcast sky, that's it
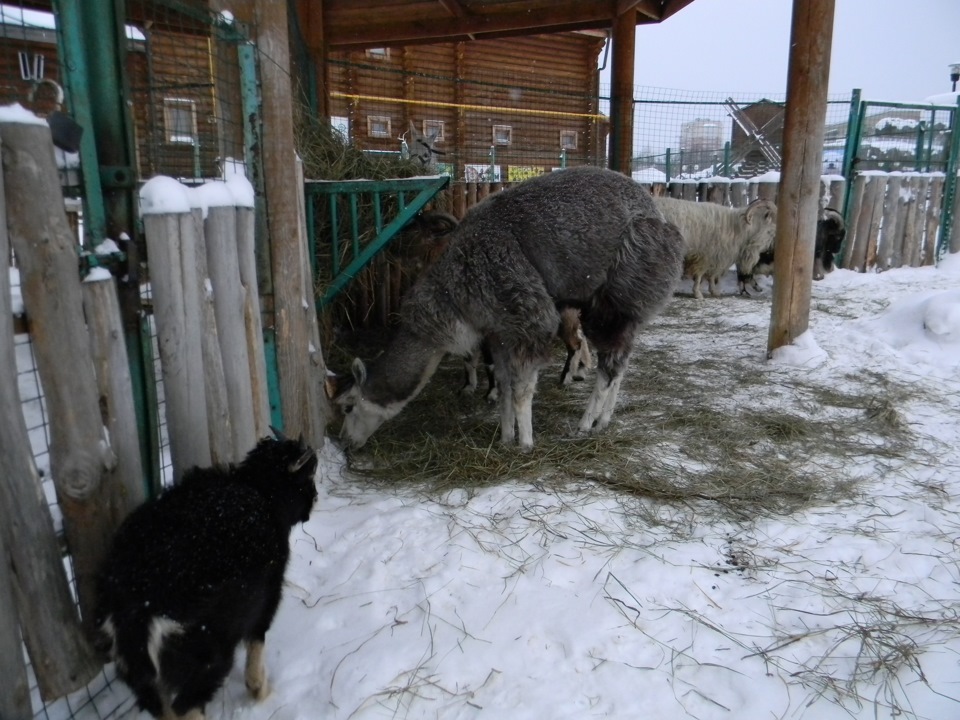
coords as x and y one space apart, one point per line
894 50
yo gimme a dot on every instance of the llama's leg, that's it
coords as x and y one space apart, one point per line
524 387
504 381
566 375
611 365
470 372
255 674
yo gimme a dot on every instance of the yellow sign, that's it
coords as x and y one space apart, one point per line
517 173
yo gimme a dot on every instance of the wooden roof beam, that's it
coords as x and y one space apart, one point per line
453 7
651 9
586 16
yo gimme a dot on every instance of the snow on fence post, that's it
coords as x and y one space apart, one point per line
39 233
171 250
223 267
126 484
251 310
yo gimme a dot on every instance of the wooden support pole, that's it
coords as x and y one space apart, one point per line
811 36
45 248
302 399
246 253
621 100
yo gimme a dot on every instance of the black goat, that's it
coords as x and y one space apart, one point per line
199 569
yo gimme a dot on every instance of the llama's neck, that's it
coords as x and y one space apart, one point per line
403 370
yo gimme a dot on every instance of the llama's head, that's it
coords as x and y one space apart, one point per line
357 402
422 148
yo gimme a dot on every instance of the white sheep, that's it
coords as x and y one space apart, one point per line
716 237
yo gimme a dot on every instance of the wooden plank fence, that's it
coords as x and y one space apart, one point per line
208 318
894 218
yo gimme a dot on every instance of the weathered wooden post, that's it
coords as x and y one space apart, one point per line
251 312
229 301
929 255
127 488
214 382
811 35
888 224
38 230
172 252
19 499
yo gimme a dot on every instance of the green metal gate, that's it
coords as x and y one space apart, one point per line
905 138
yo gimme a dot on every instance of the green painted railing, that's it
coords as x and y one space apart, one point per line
412 194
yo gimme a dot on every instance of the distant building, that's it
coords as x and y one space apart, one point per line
701 141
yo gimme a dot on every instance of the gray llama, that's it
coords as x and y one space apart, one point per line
582 237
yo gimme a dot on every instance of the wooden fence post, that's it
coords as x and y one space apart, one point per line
127 488
229 301
14 688
853 219
910 239
929 254
219 420
738 193
46 253
955 226
31 569
888 226
920 221
171 248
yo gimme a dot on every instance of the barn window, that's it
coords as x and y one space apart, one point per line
378 53
180 120
568 139
502 134
378 126
433 126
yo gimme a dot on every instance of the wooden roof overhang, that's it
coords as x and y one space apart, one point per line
359 24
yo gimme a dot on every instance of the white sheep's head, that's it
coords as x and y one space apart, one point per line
361 415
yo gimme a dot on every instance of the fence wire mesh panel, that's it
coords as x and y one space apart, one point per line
680 134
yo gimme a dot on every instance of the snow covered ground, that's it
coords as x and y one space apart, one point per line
518 601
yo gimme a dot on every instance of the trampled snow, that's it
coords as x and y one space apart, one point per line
518 601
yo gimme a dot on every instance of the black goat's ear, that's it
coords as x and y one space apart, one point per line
300 461
279 434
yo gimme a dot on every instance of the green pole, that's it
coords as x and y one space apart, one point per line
726 159
93 38
918 152
858 111
250 101
666 164
950 185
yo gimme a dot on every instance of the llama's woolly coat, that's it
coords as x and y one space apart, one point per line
584 237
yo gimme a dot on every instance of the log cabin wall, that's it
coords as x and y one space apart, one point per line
512 103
